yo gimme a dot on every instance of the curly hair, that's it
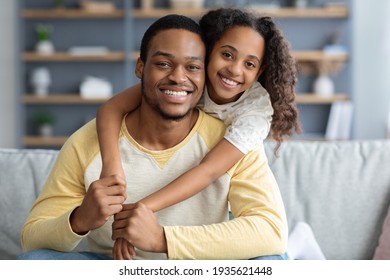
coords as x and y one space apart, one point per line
279 75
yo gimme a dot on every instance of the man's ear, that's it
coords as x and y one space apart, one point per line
139 67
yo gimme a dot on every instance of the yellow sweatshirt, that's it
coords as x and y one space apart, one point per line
197 228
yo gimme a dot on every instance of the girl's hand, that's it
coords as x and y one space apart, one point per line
123 250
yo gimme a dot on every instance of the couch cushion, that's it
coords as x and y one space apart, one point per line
22 175
341 189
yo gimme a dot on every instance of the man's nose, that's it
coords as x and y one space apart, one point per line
178 75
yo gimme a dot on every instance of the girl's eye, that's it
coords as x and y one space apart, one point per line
251 65
227 55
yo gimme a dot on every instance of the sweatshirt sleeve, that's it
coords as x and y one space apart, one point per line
47 225
259 227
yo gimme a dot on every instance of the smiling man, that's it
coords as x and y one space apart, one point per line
164 137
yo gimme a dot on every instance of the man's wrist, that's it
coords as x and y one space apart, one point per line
162 246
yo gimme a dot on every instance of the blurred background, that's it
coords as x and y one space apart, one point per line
60 59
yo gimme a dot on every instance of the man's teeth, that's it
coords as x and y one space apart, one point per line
175 93
229 82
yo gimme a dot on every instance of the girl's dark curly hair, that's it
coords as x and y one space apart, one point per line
279 75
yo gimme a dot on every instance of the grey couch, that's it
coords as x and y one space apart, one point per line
341 189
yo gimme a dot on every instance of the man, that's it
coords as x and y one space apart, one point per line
165 136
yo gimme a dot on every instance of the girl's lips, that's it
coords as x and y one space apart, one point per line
228 82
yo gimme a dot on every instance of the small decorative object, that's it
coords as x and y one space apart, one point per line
44 45
44 122
324 86
41 80
147 4
301 3
333 45
88 50
93 87
186 4
59 4
97 6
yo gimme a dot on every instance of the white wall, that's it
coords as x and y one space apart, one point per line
371 67
8 62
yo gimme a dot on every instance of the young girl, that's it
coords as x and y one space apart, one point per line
251 77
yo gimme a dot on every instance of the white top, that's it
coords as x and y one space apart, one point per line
248 119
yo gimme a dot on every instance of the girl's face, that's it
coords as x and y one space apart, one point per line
234 64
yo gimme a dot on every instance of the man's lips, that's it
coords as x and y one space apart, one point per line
175 93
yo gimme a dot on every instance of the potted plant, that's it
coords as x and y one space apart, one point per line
44 122
44 45
59 4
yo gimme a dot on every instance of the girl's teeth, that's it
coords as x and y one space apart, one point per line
229 82
175 93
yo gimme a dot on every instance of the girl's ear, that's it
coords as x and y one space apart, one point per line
260 72
139 68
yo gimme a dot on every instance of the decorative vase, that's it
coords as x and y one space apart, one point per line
46 130
45 47
324 86
147 4
41 80
301 3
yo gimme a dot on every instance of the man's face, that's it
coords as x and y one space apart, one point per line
173 76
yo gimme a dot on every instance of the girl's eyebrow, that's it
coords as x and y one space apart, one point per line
251 56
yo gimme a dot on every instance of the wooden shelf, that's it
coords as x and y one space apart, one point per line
40 141
74 98
61 98
312 98
69 14
326 12
301 56
315 56
65 56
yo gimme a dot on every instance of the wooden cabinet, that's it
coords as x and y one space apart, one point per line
120 31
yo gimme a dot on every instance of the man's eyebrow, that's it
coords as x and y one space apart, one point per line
235 50
160 53
169 55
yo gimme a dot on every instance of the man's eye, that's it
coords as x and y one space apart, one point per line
194 67
162 64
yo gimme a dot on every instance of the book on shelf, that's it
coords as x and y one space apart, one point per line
339 121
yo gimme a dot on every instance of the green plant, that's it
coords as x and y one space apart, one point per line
43 117
44 31
59 3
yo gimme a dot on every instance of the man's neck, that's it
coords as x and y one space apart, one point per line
153 132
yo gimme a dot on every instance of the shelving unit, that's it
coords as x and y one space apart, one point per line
73 26
69 14
73 110
331 12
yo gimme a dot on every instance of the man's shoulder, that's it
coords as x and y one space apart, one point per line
210 128
83 141
211 121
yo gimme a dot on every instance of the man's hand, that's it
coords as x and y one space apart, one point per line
138 225
103 199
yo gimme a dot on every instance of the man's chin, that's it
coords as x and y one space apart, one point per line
174 117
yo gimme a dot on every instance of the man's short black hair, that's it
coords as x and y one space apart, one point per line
168 22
